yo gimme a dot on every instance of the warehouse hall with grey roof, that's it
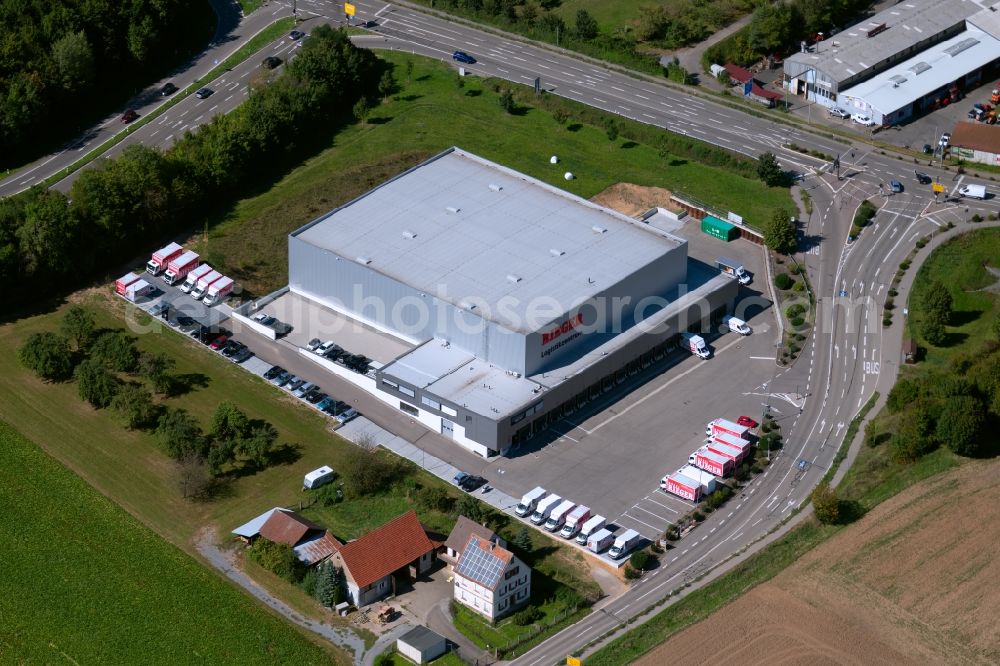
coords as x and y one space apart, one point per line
509 295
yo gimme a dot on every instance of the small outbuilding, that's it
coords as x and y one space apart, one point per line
421 645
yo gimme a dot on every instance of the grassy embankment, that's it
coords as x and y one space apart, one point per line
874 476
429 113
83 582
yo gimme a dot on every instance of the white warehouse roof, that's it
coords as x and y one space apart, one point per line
924 73
907 24
468 230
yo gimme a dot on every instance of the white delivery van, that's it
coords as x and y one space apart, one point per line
973 191
558 516
737 325
589 528
624 544
545 506
600 540
529 501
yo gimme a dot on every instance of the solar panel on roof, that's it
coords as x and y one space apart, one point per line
481 566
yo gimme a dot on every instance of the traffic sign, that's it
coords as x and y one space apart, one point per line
572 661
349 9
938 188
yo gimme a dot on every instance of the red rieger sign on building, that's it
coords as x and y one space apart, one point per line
562 329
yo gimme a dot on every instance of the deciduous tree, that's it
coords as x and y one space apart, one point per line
116 350
769 170
47 355
180 435
960 425
780 234
586 25
95 383
78 325
134 406
826 504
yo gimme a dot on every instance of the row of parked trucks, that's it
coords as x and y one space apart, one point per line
575 521
178 265
726 446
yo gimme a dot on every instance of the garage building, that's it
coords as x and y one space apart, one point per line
511 302
900 61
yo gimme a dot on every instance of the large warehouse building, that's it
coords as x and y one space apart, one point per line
901 61
508 302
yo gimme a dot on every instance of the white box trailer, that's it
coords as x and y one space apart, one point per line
600 540
682 486
558 516
124 281
529 501
137 290
318 477
544 508
725 450
592 526
708 482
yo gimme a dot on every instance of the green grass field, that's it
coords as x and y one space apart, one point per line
428 114
83 582
960 264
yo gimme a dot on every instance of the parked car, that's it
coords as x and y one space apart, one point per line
346 415
470 483
325 347
314 396
296 35
459 478
231 348
294 383
203 93
747 422
462 56
314 344
273 372
838 112
161 310
206 334
265 319
945 139
186 323
271 62
302 390
168 89
922 177
219 342
862 119
895 186
281 328
325 403
242 355
129 116
281 378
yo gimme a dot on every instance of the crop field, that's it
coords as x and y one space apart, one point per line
82 582
430 113
913 582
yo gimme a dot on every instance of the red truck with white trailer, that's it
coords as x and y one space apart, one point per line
722 425
203 285
180 266
726 451
124 281
158 262
682 486
218 290
195 274
713 462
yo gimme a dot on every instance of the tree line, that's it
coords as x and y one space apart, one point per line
779 27
110 372
123 205
85 57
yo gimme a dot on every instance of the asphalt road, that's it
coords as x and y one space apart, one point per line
850 353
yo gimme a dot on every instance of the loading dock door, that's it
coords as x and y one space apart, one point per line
447 428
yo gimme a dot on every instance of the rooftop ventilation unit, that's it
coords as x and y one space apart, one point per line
467 305
919 68
364 260
409 234
876 29
495 187
513 278
556 252
452 209
955 49
897 79
597 229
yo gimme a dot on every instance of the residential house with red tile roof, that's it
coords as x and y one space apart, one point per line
400 549
490 580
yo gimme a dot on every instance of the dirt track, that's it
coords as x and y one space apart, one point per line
914 582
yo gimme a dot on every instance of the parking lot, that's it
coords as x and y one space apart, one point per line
182 304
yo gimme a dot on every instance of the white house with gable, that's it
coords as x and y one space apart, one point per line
490 580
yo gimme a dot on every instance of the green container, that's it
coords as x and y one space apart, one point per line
717 228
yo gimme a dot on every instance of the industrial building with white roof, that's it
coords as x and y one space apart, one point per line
901 61
514 301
